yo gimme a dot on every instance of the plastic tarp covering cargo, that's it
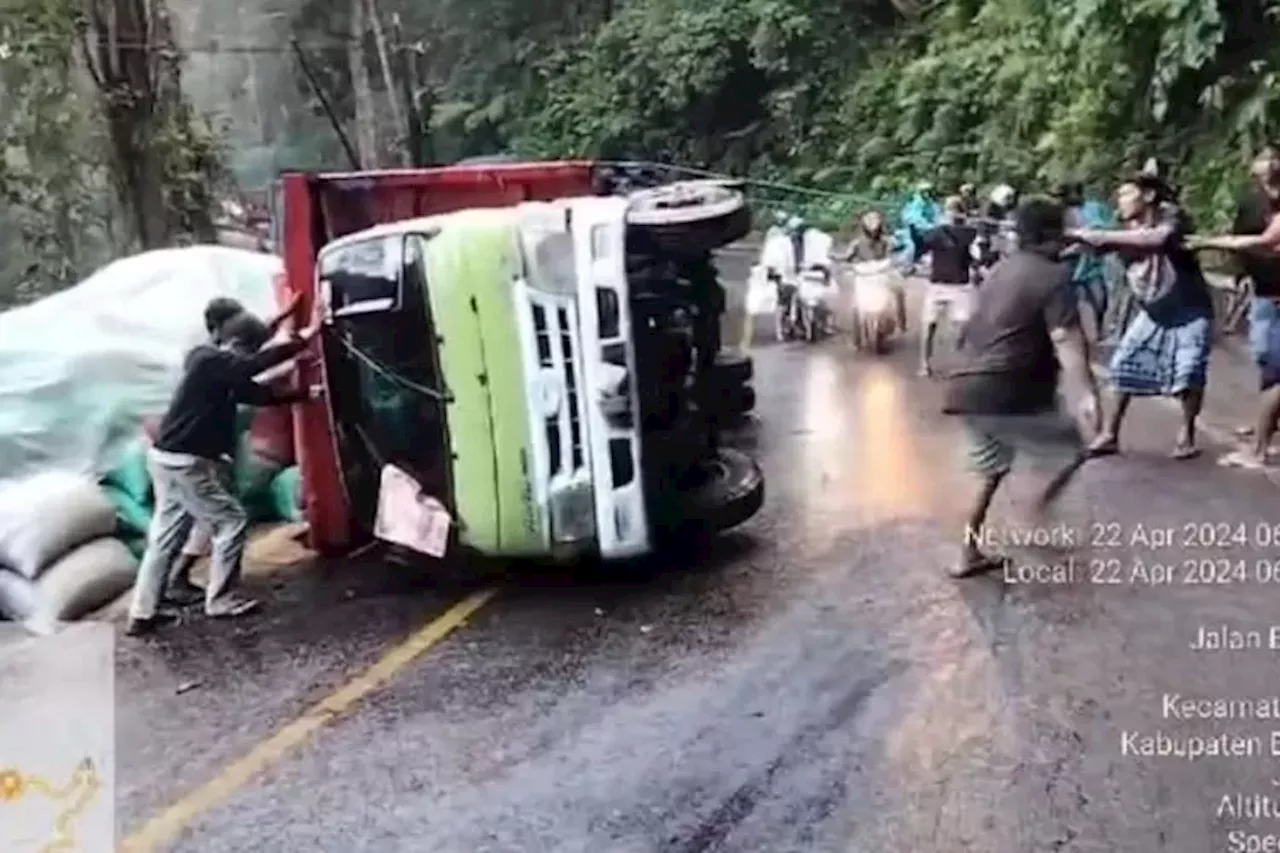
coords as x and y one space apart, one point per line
80 368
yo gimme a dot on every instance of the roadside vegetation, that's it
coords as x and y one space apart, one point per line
124 121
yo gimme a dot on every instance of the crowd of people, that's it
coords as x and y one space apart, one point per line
1023 335
1012 275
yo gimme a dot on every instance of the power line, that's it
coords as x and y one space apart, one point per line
210 48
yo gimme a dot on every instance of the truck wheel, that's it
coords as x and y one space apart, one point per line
732 367
690 216
729 402
731 491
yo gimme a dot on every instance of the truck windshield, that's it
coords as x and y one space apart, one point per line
389 399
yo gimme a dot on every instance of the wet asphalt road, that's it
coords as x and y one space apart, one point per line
815 682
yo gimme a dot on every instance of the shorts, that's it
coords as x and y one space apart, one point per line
952 302
1052 440
1264 340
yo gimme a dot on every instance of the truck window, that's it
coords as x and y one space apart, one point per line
392 407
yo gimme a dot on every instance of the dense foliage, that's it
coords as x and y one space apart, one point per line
861 97
857 98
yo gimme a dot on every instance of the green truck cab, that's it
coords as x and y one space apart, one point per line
540 368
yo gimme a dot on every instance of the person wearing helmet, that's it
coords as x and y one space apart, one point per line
796 226
1001 203
872 243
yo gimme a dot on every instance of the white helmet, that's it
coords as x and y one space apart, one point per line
1003 195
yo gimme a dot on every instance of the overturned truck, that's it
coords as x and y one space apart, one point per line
541 357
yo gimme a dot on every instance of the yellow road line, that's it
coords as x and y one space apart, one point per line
166 827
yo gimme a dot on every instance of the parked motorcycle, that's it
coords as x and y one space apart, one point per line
875 305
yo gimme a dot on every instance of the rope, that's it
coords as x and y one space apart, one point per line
387 373
756 182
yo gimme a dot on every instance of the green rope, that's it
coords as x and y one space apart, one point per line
387 373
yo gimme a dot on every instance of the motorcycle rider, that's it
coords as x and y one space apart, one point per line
920 213
871 243
1000 206
783 261
990 245
950 291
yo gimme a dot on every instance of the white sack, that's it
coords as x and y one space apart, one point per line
79 368
87 579
44 516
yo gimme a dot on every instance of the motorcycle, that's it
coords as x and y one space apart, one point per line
804 296
814 298
875 305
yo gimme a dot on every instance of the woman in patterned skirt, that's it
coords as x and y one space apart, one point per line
1165 349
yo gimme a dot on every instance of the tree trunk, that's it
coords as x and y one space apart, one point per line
401 157
361 91
122 71
187 177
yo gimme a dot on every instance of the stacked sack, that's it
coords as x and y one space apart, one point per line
59 557
264 476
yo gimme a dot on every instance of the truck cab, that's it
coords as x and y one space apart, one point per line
523 361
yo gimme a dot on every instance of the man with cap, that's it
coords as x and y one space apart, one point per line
181 591
196 436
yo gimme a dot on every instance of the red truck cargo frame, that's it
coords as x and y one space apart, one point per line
318 208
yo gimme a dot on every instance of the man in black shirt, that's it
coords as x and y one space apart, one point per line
1254 241
1254 212
1024 331
195 437
950 291
181 590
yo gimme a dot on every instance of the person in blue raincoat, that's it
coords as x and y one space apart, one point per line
1090 274
921 213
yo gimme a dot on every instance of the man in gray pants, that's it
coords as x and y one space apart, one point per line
181 591
196 435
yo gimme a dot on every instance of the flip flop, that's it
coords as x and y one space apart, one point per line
1246 461
1110 448
983 565
1185 452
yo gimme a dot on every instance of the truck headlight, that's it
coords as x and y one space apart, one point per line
573 512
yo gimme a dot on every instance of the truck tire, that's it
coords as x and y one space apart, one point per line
731 493
728 403
732 367
690 216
